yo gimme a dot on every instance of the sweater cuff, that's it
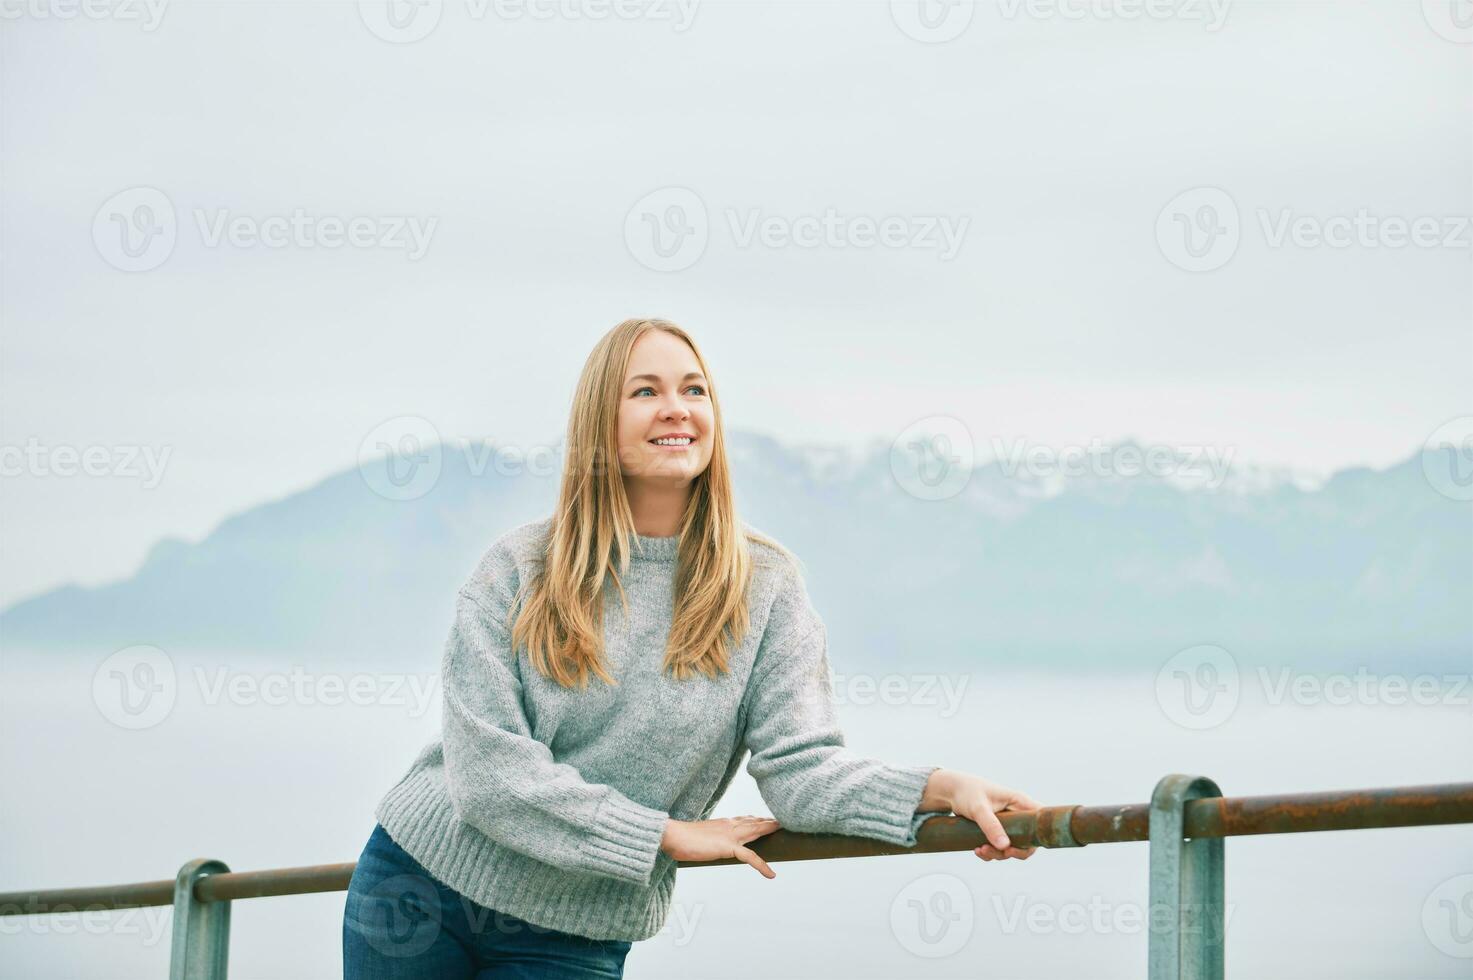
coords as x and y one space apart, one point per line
624 840
897 792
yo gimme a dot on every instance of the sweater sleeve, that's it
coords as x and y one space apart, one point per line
506 784
807 776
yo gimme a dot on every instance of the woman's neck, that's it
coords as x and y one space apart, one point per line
657 510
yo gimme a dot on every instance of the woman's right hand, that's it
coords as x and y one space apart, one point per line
712 840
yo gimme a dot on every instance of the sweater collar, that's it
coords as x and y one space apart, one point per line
655 549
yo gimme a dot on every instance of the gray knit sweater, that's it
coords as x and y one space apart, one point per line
549 804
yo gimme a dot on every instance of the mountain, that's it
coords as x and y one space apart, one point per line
1369 568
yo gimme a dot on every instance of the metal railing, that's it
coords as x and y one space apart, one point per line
1186 822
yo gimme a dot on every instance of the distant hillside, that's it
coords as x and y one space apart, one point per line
1373 568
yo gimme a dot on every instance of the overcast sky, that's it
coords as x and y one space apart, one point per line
980 213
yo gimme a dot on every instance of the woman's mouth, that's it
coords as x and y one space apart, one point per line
673 443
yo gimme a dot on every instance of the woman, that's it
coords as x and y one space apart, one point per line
539 835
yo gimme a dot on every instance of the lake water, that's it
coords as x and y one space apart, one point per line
262 768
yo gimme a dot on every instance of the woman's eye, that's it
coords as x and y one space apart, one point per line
697 388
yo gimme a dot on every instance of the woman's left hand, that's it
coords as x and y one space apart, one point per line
979 800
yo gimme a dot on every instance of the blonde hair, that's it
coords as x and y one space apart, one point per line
561 622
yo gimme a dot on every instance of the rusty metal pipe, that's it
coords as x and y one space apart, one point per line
1057 826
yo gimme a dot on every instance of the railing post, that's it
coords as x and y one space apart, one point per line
1187 921
201 940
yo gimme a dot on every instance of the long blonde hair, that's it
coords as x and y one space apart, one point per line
560 624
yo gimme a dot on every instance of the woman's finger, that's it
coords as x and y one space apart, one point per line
991 828
751 832
749 856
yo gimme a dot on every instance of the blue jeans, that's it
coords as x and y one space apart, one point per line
401 924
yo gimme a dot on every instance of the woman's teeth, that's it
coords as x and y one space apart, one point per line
671 442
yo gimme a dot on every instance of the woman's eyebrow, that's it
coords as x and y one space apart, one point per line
656 378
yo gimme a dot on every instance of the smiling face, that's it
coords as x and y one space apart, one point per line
664 395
